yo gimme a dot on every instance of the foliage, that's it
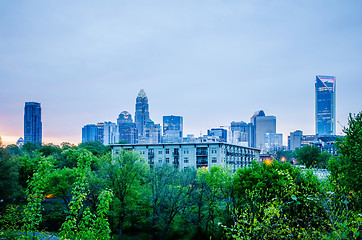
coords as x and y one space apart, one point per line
310 156
9 175
35 194
81 223
347 167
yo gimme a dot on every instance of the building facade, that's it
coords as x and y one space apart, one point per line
32 123
242 133
172 129
262 124
142 114
295 140
89 133
194 155
325 106
127 130
221 133
273 141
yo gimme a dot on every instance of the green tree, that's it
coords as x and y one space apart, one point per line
349 161
308 155
9 177
125 174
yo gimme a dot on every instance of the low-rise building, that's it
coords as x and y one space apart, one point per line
194 155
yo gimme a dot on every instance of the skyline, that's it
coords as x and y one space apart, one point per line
210 62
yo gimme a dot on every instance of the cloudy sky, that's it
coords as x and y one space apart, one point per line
210 61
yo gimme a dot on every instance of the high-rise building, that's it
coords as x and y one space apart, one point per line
262 124
218 132
89 133
110 130
325 106
273 141
32 123
142 112
241 133
295 140
127 130
152 133
172 129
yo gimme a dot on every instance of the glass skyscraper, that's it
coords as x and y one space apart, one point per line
32 123
142 113
325 105
172 129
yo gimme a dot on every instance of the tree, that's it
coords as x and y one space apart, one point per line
9 177
347 167
124 173
308 155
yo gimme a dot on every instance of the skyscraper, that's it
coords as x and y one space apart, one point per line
262 124
32 123
221 133
325 105
142 113
126 128
172 129
89 133
241 133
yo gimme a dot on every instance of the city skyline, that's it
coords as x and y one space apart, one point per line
211 62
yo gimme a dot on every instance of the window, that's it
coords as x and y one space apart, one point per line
186 160
186 152
167 151
159 152
159 160
167 160
214 160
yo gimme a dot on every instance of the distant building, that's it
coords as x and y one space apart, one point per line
218 132
325 107
190 138
110 133
295 140
242 133
89 133
127 130
262 124
100 132
152 133
273 141
193 155
308 140
20 142
142 112
32 123
172 129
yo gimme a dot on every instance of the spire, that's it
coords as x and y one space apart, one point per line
142 94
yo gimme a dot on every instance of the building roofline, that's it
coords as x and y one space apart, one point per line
179 144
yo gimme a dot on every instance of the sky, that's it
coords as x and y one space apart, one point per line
210 61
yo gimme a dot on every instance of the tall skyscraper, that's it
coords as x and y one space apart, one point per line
89 133
109 133
325 106
172 129
127 131
142 113
32 123
262 124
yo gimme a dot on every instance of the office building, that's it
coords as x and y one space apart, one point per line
325 106
220 133
142 112
152 133
172 129
89 133
32 123
241 133
127 130
261 125
110 133
295 140
273 142
192 155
